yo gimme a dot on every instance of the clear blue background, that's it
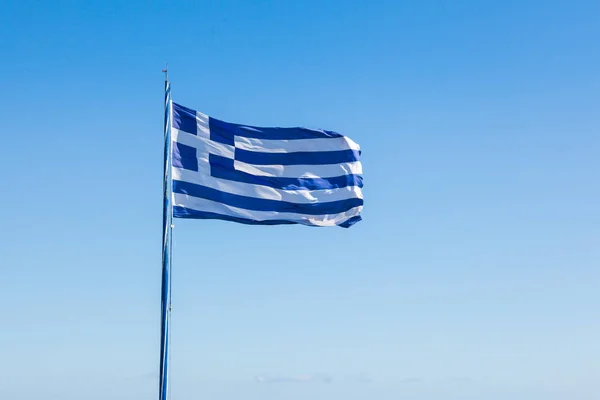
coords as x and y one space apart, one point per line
474 275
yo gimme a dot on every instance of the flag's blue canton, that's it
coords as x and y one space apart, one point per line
263 176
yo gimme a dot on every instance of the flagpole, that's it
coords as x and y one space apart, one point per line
166 255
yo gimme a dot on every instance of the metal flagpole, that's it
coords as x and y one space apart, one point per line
166 256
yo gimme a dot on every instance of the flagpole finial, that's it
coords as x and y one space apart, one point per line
166 71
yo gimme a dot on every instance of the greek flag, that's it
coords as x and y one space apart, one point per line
262 176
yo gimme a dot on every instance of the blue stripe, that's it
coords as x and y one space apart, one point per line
185 156
221 132
184 212
349 222
184 119
257 204
297 158
225 131
222 167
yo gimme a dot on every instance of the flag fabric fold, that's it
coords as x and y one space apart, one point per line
263 176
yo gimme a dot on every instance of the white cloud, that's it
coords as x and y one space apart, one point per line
307 378
411 380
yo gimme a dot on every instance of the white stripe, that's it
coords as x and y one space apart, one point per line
202 143
203 125
301 171
290 146
196 203
265 192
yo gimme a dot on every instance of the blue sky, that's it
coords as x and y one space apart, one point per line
473 275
